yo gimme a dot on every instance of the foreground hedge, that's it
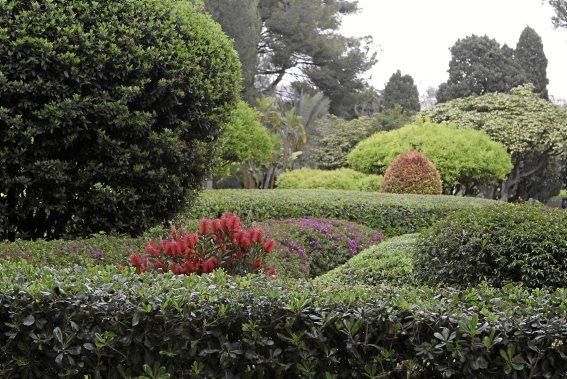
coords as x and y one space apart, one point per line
390 213
110 324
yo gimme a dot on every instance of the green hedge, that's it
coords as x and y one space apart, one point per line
340 179
106 323
392 261
393 214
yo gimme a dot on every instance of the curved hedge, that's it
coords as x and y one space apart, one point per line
108 112
516 243
393 214
108 323
340 179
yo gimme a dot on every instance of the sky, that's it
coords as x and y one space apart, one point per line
414 36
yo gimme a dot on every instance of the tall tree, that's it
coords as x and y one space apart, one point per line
560 19
531 58
240 20
401 92
479 66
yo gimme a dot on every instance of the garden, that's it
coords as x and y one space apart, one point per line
156 223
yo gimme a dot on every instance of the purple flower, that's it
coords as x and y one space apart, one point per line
352 245
96 253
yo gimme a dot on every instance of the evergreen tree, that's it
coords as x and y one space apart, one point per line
560 7
530 56
401 92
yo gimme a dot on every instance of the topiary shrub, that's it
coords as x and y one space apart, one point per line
108 112
340 179
516 243
309 247
412 172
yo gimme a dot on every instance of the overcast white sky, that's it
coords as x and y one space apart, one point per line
415 35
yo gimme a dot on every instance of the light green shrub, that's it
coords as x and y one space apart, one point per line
341 179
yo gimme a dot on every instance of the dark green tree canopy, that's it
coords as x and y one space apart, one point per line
401 92
108 112
479 66
530 56
560 7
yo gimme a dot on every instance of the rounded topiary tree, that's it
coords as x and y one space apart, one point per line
109 111
412 172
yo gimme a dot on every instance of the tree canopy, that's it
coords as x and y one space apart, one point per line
464 157
400 91
531 128
530 56
560 7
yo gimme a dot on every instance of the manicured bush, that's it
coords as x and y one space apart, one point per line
389 213
497 244
340 179
220 243
103 322
108 112
463 157
412 172
309 247
393 261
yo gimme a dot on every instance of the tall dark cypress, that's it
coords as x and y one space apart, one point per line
530 56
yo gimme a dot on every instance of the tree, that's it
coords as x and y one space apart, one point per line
240 20
400 91
560 7
109 111
479 66
532 129
531 58
465 158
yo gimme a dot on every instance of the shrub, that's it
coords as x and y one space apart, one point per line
389 213
108 112
220 243
412 172
309 247
103 322
498 245
341 179
392 261
463 156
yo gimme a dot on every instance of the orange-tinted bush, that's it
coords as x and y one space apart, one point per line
412 172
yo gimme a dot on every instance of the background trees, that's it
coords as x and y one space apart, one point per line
531 58
400 91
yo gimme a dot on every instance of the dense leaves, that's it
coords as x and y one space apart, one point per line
401 92
412 172
514 243
531 57
108 112
390 213
463 157
110 323
341 179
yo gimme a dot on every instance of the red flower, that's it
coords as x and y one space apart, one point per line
257 264
152 249
205 227
270 271
191 240
245 240
269 246
257 235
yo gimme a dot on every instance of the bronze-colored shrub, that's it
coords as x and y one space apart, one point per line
412 172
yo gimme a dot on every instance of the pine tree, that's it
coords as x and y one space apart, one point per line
401 92
530 56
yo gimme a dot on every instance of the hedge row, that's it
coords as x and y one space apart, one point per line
106 323
393 214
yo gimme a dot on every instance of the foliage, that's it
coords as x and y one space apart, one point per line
531 128
479 66
400 91
390 213
104 322
392 261
244 140
462 156
560 18
514 243
309 247
335 137
240 20
341 179
219 243
531 57
412 172
107 120
544 184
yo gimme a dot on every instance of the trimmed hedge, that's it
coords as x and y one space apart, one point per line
309 247
108 323
412 172
340 179
393 261
516 243
393 214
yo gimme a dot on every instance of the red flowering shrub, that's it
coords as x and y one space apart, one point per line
218 243
412 172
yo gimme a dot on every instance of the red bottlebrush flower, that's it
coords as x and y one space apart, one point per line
153 249
137 260
182 245
269 246
217 226
159 265
271 272
191 240
245 240
257 264
236 238
189 267
177 269
210 265
205 227
257 235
